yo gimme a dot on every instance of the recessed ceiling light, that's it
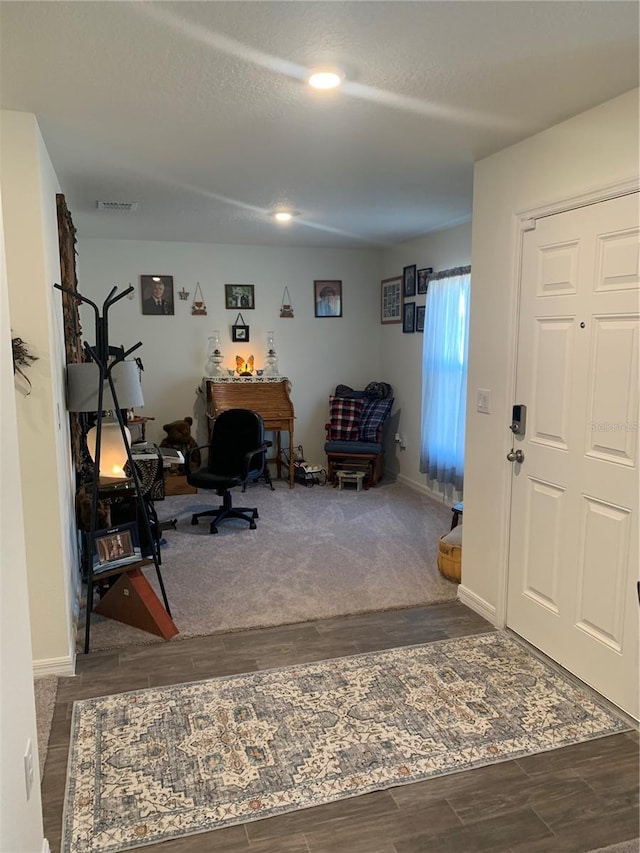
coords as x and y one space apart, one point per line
283 216
325 78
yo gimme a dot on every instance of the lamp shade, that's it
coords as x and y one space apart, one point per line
83 382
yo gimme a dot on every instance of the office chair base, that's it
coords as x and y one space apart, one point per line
245 513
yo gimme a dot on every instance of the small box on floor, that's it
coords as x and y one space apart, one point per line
176 484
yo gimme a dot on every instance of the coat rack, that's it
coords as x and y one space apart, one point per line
107 358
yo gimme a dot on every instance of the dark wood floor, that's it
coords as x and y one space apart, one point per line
572 799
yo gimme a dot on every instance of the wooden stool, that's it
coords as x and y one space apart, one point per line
356 477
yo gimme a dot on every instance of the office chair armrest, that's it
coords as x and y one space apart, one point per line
246 462
187 456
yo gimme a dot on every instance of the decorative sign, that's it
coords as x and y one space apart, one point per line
198 308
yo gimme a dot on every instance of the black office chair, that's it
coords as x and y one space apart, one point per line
237 453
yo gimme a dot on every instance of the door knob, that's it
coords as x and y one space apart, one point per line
515 456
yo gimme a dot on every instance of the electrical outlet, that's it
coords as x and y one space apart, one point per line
28 768
403 442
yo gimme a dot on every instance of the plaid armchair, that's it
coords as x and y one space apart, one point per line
355 430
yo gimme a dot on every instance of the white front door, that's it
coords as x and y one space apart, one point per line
573 557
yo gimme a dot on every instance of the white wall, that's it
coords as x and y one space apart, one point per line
592 150
20 819
402 353
315 353
29 187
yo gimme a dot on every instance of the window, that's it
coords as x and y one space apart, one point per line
444 377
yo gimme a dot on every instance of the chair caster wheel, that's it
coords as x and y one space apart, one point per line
194 520
252 526
255 513
213 529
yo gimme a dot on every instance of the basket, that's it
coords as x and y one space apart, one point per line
450 555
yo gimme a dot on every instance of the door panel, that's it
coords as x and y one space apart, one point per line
573 556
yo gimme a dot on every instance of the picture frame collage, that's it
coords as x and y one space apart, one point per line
397 298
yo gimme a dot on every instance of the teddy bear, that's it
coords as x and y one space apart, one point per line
179 437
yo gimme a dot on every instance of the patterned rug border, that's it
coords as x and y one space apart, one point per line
469 757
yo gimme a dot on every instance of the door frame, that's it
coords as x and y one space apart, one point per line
523 221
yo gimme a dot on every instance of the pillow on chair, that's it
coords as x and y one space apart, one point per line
345 415
374 415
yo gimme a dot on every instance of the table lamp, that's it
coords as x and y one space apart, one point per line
83 382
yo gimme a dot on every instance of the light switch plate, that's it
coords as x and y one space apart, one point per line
483 401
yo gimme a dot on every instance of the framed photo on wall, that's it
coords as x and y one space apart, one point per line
420 311
327 297
391 300
409 281
157 294
239 296
240 333
423 279
409 317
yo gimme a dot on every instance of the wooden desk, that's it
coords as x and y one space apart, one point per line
268 397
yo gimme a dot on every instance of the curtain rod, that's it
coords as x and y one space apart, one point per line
449 273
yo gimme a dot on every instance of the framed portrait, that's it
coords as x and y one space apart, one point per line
115 547
239 296
409 317
409 281
423 279
420 309
391 300
156 292
327 298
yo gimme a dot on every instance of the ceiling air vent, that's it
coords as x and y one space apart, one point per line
118 206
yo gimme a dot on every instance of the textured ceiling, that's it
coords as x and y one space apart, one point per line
199 111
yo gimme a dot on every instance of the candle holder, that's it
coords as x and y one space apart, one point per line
271 359
214 357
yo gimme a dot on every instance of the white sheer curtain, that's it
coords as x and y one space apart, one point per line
444 377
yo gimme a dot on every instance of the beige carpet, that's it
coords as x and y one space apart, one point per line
317 553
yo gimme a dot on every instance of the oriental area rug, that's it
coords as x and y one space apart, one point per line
167 762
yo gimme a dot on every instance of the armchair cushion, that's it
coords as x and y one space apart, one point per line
345 415
347 391
376 411
377 390
368 448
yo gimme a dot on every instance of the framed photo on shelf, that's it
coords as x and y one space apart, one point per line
420 311
327 298
115 547
423 279
391 300
239 296
157 294
409 281
409 317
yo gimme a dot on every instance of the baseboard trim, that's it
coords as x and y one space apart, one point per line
422 488
64 666
479 605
